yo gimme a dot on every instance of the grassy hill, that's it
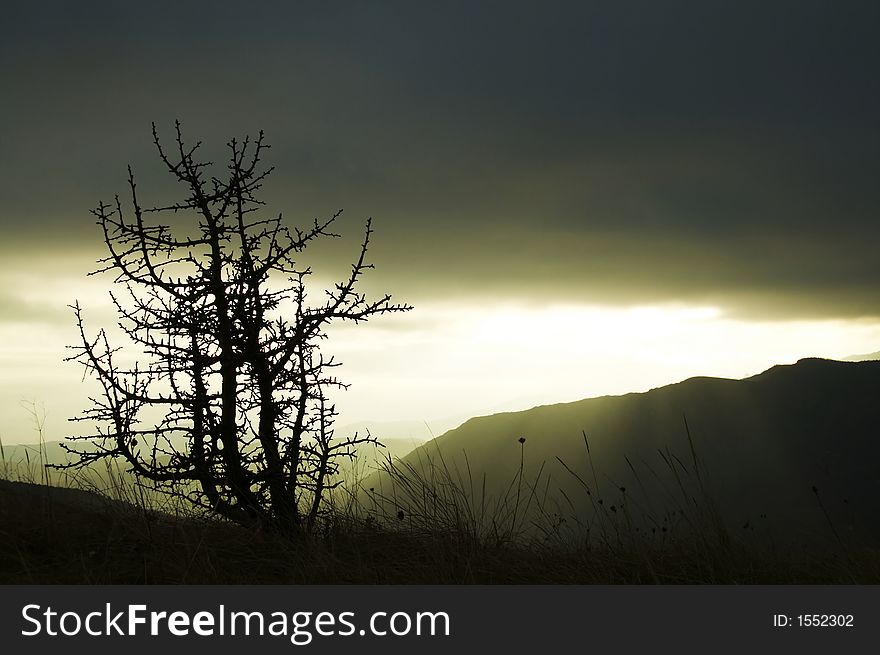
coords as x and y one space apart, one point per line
774 480
791 454
51 535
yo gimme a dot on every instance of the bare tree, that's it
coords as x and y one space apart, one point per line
227 403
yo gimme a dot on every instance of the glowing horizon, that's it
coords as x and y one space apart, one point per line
445 362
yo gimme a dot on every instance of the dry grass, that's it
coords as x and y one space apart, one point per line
430 522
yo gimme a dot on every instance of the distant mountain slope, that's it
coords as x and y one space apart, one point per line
863 358
763 443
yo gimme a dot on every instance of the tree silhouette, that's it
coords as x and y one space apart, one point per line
227 402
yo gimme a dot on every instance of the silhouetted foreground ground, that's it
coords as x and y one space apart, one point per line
61 536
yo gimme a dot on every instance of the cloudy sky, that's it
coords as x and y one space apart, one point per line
578 198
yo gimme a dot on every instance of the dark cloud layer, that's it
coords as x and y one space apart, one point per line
613 152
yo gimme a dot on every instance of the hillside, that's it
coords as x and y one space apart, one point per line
762 445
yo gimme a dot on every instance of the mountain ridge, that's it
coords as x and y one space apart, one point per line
803 360
764 442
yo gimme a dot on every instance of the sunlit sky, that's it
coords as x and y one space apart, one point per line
578 198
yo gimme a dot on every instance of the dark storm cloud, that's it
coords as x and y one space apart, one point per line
679 151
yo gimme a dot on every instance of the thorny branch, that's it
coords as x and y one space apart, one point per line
229 403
